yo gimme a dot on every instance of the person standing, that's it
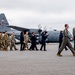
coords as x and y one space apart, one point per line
33 42
74 36
66 41
9 40
5 41
13 42
60 40
22 41
1 39
43 41
26 39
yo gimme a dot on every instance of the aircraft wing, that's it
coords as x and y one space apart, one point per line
18 28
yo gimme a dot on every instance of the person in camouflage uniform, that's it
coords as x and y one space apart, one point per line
1 39
13 42
26 39
5 41
9 40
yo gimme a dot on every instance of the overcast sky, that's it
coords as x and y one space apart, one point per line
30 13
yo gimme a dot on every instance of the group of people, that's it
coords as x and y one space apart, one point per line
64 41
24 39
7 41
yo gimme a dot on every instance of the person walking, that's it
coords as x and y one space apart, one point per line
33 42
66 41
13 42
1 40
5 41
43 41
74 36
60 40
26 39
22 41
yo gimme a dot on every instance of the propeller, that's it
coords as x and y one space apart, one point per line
45 29
40 28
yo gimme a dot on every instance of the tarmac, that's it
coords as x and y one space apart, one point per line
37 62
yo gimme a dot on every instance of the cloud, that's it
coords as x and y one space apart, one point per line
30 13
39 5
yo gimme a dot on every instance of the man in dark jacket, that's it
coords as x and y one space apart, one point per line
33 42
43 41
74 36
22 41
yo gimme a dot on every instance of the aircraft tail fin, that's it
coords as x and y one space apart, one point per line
3 20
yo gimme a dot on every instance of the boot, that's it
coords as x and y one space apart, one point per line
59 55
16 49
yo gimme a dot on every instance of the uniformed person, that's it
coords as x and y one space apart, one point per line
13 42
60 40
22 41
26 39
33 42
43 41
1 39
66 41
9 41
74 36
5 41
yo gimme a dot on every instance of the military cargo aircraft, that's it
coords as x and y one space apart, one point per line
53 36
